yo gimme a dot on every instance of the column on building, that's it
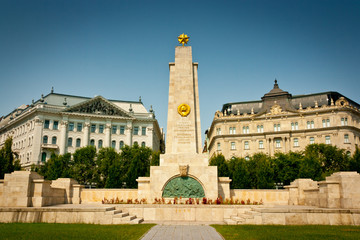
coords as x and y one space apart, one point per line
269 146
86 132
37 140
107 133
129 133
63 131
150 136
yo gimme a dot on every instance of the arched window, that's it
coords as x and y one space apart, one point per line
43 157
121 145
143 144
100 144
92 142
113 143
78 142
70 142
45 139
136 143
53 140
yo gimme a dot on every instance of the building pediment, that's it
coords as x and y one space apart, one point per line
98 106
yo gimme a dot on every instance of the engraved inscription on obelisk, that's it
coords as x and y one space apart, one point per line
183 125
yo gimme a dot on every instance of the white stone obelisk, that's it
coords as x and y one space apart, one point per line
183 123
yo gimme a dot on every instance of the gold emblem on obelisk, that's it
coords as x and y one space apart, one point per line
183 39
184 109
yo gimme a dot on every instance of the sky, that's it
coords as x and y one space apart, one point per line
121 49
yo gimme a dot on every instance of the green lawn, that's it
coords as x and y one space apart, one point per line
312 232
57 231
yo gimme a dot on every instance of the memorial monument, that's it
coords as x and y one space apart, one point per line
184 170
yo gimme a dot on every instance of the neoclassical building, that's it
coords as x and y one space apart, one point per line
280 122
63 123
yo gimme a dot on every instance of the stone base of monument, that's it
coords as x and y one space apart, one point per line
183 175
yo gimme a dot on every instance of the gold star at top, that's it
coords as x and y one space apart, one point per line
183 39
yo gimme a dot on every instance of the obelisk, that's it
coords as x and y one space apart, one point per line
183 123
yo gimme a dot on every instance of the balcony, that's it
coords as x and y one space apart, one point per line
49 146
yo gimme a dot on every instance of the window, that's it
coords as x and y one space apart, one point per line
53 140
43 157
276 127
143 131
71 126
246 129
344 121
260 128
136 130
114 129
233 146
93 128
261 144
278 143
79 127
143 144
56 125
101 128
121 145
45 139
136 143
122 129
218 131
100 144
296 142
232 130
92 142
246 145
346 138
247 158
312 140
294 126
46 124
69 142
312 124
78 142
326 122
327 140
113 143
218 146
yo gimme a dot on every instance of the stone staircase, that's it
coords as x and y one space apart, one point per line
252 216
122 217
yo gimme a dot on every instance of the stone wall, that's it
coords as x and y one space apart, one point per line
29 189
97 195
267 196
340 190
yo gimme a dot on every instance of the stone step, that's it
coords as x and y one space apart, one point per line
113 212
121 214
245 216
253 213
230 222
123 220
137 221
238 219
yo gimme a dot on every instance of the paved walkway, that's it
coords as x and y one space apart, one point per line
180 232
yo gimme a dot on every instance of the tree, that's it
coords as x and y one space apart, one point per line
238 173
261 174
219 161
84 168
286 167
7 163
354 164
58 166
108 162
135 162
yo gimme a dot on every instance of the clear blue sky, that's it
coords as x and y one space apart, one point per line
121 49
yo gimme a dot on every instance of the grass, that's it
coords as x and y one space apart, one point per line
56 231
313 232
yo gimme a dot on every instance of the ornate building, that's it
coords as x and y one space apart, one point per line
63 123
280 122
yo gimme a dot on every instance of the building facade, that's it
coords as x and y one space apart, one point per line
280 122
63 123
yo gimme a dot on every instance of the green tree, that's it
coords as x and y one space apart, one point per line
261 173
135 162
7 162
108 162
354 164
155 158
239 174
219 161
310 168
84 168
286 167
58 166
